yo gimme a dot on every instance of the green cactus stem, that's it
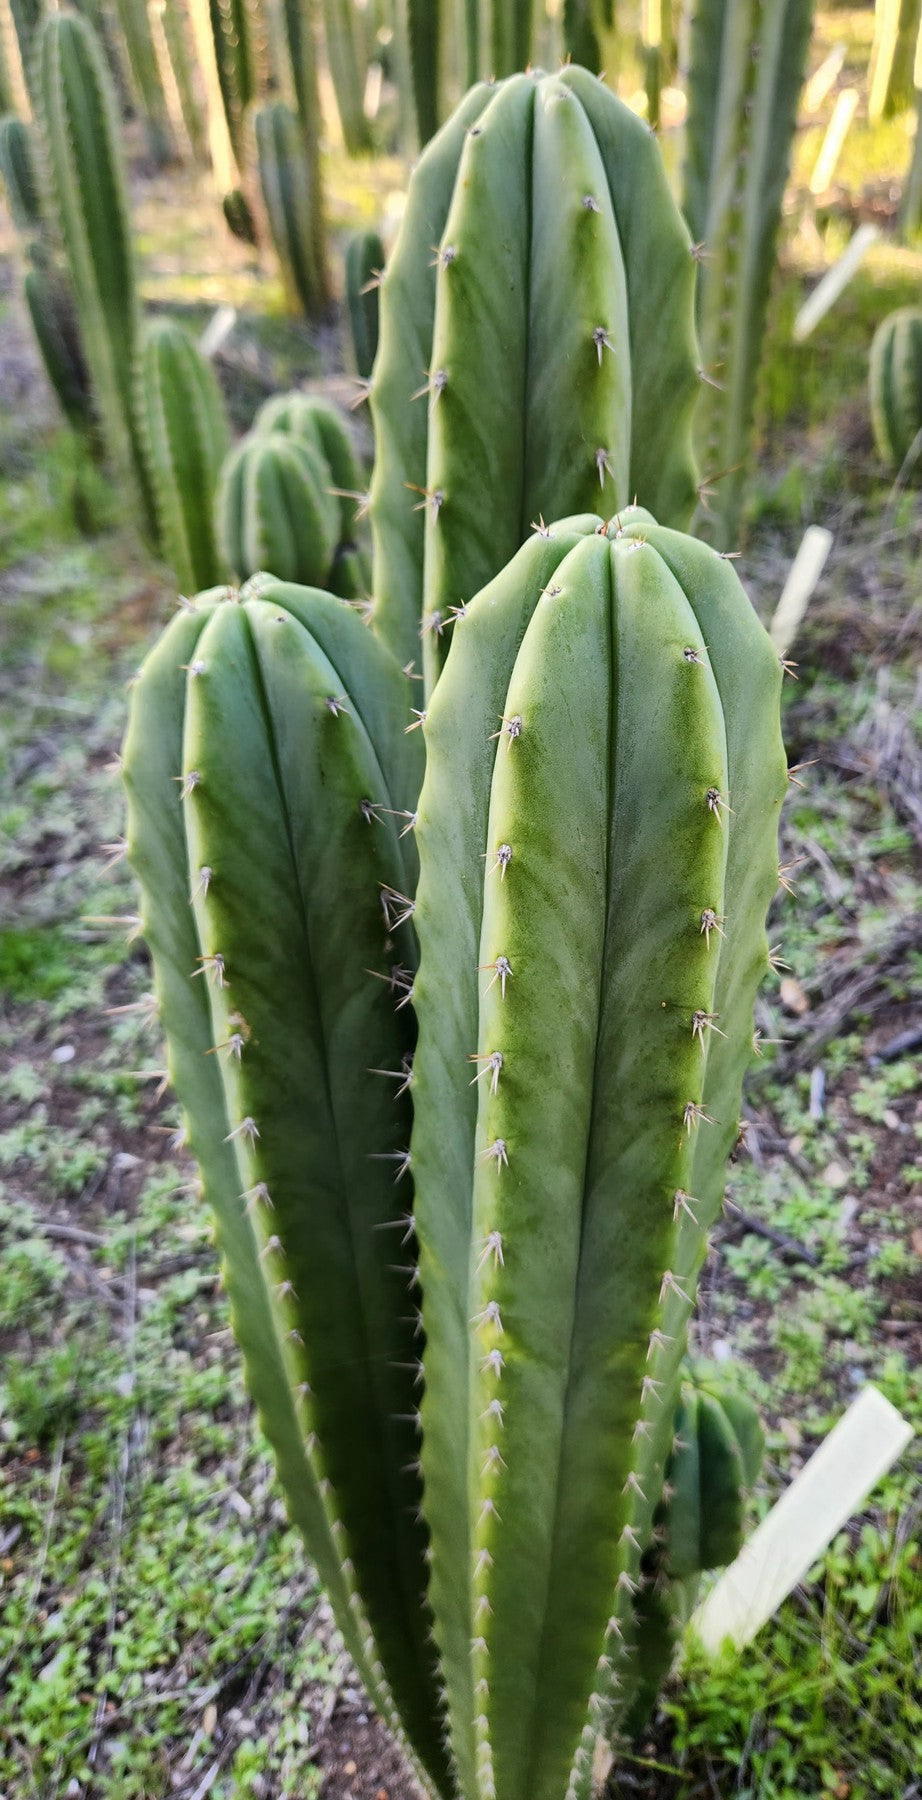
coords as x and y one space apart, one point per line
137 38
184 429
317 422
348 68
171 26
19 170
890 75
294 207
895 386
81 137
275 511
364 267
597 835
746 70
537 351
50 301
265 766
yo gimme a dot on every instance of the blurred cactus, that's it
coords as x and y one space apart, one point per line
895 387
890 76
317 423
80 131
348 62
50 300
171 29
238 216
275 511
138 42
560 1202
364 266
184 430
19 171
537 351
294 206
746 70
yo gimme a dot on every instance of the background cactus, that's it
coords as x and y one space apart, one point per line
895 386
364 266
540 359
81 136
19 169
50 300
279 721
318 423
275 511
185 433
137 39
896 31
294 206
746 70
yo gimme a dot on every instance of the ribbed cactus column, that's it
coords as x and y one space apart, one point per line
294 206
895 385
537 352
275 511
185 433
597 835
364 267
746 70
265 766
81 132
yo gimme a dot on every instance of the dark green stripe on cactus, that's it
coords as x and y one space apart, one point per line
266 767
364 266
185 434
537 351
575 836
19 171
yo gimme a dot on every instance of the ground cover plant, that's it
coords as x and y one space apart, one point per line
160 1631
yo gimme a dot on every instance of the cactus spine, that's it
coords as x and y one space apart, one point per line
80 131
746 69
283 720
895 384
364 266
294 206
543 360
185 433
562 1201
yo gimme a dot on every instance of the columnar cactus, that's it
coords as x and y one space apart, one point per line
348 61
137 38
81 134
746 70
185 434
294 206
597 845
364 266
266 769
316 422
275 511
537 351
19 170
895 384
597 835
896 30
50 300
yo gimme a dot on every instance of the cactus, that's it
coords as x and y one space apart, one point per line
298 20
275 511
895 385
321 426
184 429
348 68
138 41
610 694
238 216
172 37
80 130
284 720
890 76
364 265
747 61
537 349
294 206
597 845
20 173
52 311
424 31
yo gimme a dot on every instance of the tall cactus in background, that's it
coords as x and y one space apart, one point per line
19 170
364 267
597 845
20 21
895 387
294 206
537 350
137 38
50 300
87 179
348 62
185 434
284 720
746 70
171 31
890 77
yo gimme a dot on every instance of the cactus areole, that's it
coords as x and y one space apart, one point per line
537 351
465 1341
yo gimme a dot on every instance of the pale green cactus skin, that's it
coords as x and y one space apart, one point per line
895 385
346 54
275 511
137 38
185 433
316 421
265 764
590 912
81 138
746 71
537 350
294 206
